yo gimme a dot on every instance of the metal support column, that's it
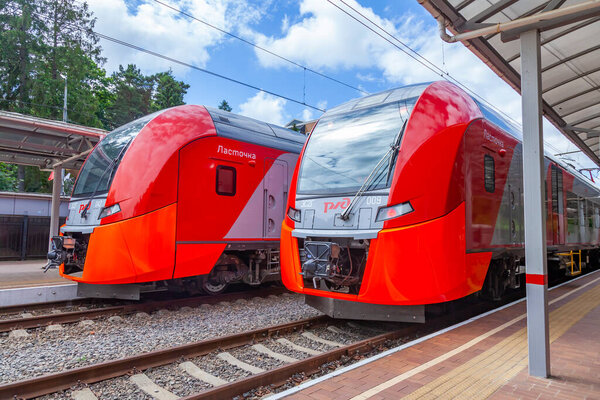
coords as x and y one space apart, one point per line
535 216
55 212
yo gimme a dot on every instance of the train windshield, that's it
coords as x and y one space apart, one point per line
345 149
97 172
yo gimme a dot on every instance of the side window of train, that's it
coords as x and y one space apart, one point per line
489 173
226 180
572 209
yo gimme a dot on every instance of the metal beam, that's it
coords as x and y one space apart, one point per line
546 20
573 96
490 56
553 5
591 132
570 58
575 111
55 210
19 146
535 217
586 119
558 35
491 11
551 23
571 79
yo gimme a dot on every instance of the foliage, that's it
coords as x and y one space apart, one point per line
168 91
45 42
8 177
133 95
225 106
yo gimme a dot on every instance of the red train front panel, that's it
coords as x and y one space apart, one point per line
447 220
176 196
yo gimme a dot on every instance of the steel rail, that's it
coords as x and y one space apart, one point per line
309 366
55 382
125 309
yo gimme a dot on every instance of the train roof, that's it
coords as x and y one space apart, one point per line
415 90
250 130
389 96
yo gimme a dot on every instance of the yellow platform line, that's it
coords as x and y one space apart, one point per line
484 374
500 363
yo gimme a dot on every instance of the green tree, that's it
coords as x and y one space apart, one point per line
69 50
8 177
168 91
132 95
225 106
20 39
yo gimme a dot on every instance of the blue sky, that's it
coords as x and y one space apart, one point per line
313 33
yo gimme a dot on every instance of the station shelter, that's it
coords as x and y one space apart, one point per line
549 51
51 146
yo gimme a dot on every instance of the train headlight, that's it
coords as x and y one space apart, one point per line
295 215
107 211
391 212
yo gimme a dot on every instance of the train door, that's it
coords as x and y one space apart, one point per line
557 209
275 197
515 214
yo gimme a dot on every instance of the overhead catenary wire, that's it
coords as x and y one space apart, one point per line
248 42
206 71
415 55
423 60
194 67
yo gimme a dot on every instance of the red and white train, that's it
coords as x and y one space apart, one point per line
414 196
190 196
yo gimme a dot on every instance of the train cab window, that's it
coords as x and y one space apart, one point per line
489 173
226 180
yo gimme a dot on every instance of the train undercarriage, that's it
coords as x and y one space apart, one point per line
251 267
338 264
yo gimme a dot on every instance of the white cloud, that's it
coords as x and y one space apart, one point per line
307 115
267 108
160 29
349 45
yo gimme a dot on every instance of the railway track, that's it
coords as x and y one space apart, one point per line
255 362
308 343
39 321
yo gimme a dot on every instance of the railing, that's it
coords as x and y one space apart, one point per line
24 237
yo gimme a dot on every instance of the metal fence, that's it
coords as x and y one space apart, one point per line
24 237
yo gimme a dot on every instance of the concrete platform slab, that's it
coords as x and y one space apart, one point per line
17 274
485 357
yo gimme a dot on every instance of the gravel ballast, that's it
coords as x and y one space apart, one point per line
76 346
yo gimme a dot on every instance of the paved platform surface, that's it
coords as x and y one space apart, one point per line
486 358
18 274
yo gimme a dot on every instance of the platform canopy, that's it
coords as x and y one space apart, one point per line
45 143
570 54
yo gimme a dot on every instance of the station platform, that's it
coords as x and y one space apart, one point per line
485 357
19 274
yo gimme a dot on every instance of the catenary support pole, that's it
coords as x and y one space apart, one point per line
55 211
535 216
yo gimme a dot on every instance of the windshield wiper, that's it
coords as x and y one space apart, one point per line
368 182
110 168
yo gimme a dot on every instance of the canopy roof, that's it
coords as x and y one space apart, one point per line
43 143
570 50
